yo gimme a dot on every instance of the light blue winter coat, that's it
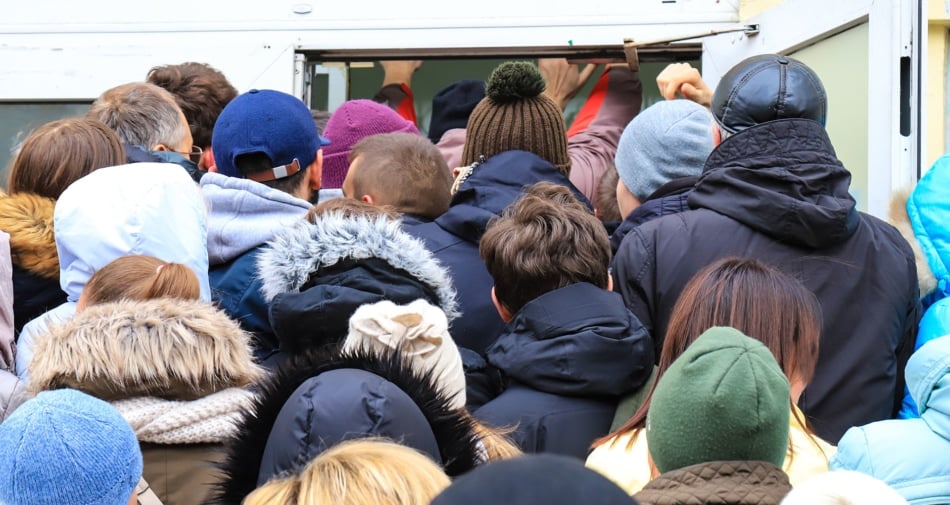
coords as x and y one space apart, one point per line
140 208
910 455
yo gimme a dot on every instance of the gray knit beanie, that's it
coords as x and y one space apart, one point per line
666 141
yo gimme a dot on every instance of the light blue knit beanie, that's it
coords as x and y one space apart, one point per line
67 447
666 141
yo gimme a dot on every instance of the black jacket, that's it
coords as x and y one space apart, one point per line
453 237
569 354
669 198
321 398
777 192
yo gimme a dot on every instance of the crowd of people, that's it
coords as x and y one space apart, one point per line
209 297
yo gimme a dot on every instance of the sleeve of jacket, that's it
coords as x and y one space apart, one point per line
910 338
633 277
399 98
853 453
593 137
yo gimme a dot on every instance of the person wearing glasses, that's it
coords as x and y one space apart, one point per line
150 125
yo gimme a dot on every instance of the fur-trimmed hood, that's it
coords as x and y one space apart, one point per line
166 348
28 218
898 218
294 255
295 400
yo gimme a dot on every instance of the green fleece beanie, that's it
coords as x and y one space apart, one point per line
724 399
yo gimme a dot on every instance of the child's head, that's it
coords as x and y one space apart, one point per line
544 241
139 277
358 472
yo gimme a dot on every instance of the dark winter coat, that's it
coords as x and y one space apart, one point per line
324 397
569 355
453 237
669 198
718 483
138 154
777 192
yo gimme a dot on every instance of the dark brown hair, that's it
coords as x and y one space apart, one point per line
140 277
544 241
404 171
349 208
752 297
605 198
258 162
200 90
58 153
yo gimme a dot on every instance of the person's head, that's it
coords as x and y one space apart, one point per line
201 92
516 115
724 399
544 241
65 446
352 122
452 106
756 299
606 206
349 208
60 152
139 277
401 170
534 479
666 141
269 137
144 115
358 472
767 87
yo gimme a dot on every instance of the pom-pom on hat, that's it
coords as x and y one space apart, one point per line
270 122
516 115
724 399
68 447
668 140
353 121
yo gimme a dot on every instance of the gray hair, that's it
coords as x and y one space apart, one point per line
141 114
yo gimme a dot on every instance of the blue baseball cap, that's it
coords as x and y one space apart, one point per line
269 122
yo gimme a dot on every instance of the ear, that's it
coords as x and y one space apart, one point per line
368 199
500 307
207 160
610 280
160 147
316 171
717 135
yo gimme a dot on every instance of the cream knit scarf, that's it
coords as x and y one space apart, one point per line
211 419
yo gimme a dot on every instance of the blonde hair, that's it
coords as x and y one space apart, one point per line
495 441
139 277
368 471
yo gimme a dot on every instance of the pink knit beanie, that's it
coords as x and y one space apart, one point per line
353 121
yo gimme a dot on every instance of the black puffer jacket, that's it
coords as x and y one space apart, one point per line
777 192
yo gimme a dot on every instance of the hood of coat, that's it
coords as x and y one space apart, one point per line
928 211
28 219
141 208
244 214
298 254
494 184
928 379
899 218
719 482
579 340
783 179
312 403
173 349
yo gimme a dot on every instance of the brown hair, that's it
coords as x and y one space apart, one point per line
402 170
752 297
200 90
605 198
140 277
366 471
59 153
349 208
544 241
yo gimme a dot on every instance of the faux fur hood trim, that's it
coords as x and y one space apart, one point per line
297 252
174 349
454 430
898 218
28 218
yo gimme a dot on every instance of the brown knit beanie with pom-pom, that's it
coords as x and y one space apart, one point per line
516 115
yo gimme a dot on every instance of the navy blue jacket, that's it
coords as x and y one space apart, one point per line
236 288
453 237
568 356
669 198
138 154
